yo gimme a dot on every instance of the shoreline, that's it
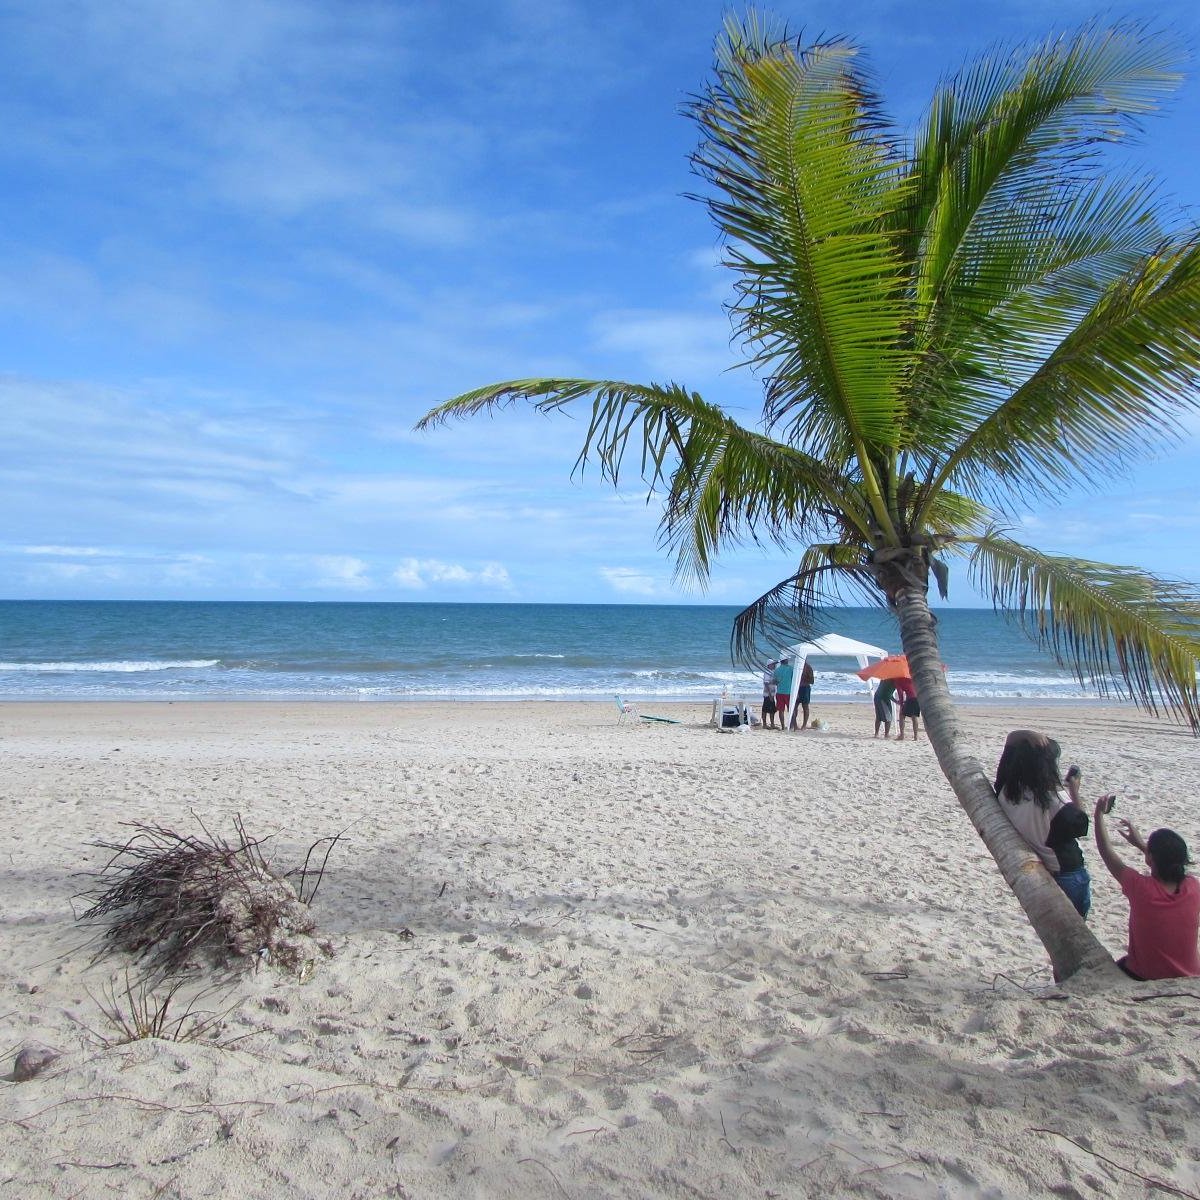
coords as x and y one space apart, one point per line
1100 702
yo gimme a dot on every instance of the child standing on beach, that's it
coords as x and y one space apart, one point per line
1164 906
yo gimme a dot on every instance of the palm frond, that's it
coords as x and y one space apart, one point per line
661 413
1116 628
724 483
1115 386
951 516
827 573
1008 135
742 486
1033 282
1014 228
792 140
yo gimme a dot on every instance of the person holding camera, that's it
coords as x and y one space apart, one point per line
1164 906
1028 783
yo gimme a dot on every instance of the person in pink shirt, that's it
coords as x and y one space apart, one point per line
910 706
1164 906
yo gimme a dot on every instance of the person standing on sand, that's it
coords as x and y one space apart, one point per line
910 706
804 693
884 694
784 674
1164 906
770 688
1028 782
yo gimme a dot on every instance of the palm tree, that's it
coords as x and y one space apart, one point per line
946 326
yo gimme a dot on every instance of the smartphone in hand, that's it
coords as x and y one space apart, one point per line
1073 772
1110 802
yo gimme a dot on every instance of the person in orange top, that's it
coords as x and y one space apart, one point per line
1164 906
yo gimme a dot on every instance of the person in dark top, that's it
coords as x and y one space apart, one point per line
883 706
803 694
1028 783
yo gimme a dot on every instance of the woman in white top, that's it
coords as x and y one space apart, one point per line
1028 783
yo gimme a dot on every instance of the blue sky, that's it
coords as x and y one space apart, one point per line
245 244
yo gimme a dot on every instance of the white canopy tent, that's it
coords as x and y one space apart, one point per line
829 645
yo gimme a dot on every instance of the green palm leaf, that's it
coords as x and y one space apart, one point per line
1005 136
724 483
1120 381
742 486
791 141
829 572
1013 233
1101 621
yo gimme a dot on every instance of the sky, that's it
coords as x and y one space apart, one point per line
246 244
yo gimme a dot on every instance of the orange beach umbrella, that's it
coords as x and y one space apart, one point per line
895 666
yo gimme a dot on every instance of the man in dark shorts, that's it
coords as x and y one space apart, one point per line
883 706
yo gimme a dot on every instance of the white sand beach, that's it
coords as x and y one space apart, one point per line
582 960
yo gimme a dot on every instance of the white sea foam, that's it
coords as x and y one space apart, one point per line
116 668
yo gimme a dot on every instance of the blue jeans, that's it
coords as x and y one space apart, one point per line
1078 886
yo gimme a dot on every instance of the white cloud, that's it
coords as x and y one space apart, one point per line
632 582
64 551
341 571
676 345
419 573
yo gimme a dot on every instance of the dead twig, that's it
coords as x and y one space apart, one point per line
1026 989
300 891
594 1131
549 1172
1149 1180
112 1166
725 1136
887 1166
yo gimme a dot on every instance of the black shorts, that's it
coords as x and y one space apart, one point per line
912 708
804 693
768 704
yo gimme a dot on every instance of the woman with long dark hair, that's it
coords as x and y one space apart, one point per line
1164 906
1028 784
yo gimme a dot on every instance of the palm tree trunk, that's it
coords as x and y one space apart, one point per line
1068 941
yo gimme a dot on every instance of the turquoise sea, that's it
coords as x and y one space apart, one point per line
110 650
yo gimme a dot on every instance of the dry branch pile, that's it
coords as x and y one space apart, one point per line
170 898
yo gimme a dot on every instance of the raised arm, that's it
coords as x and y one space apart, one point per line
1073 781
1112 860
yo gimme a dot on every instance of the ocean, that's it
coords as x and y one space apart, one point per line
146 650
